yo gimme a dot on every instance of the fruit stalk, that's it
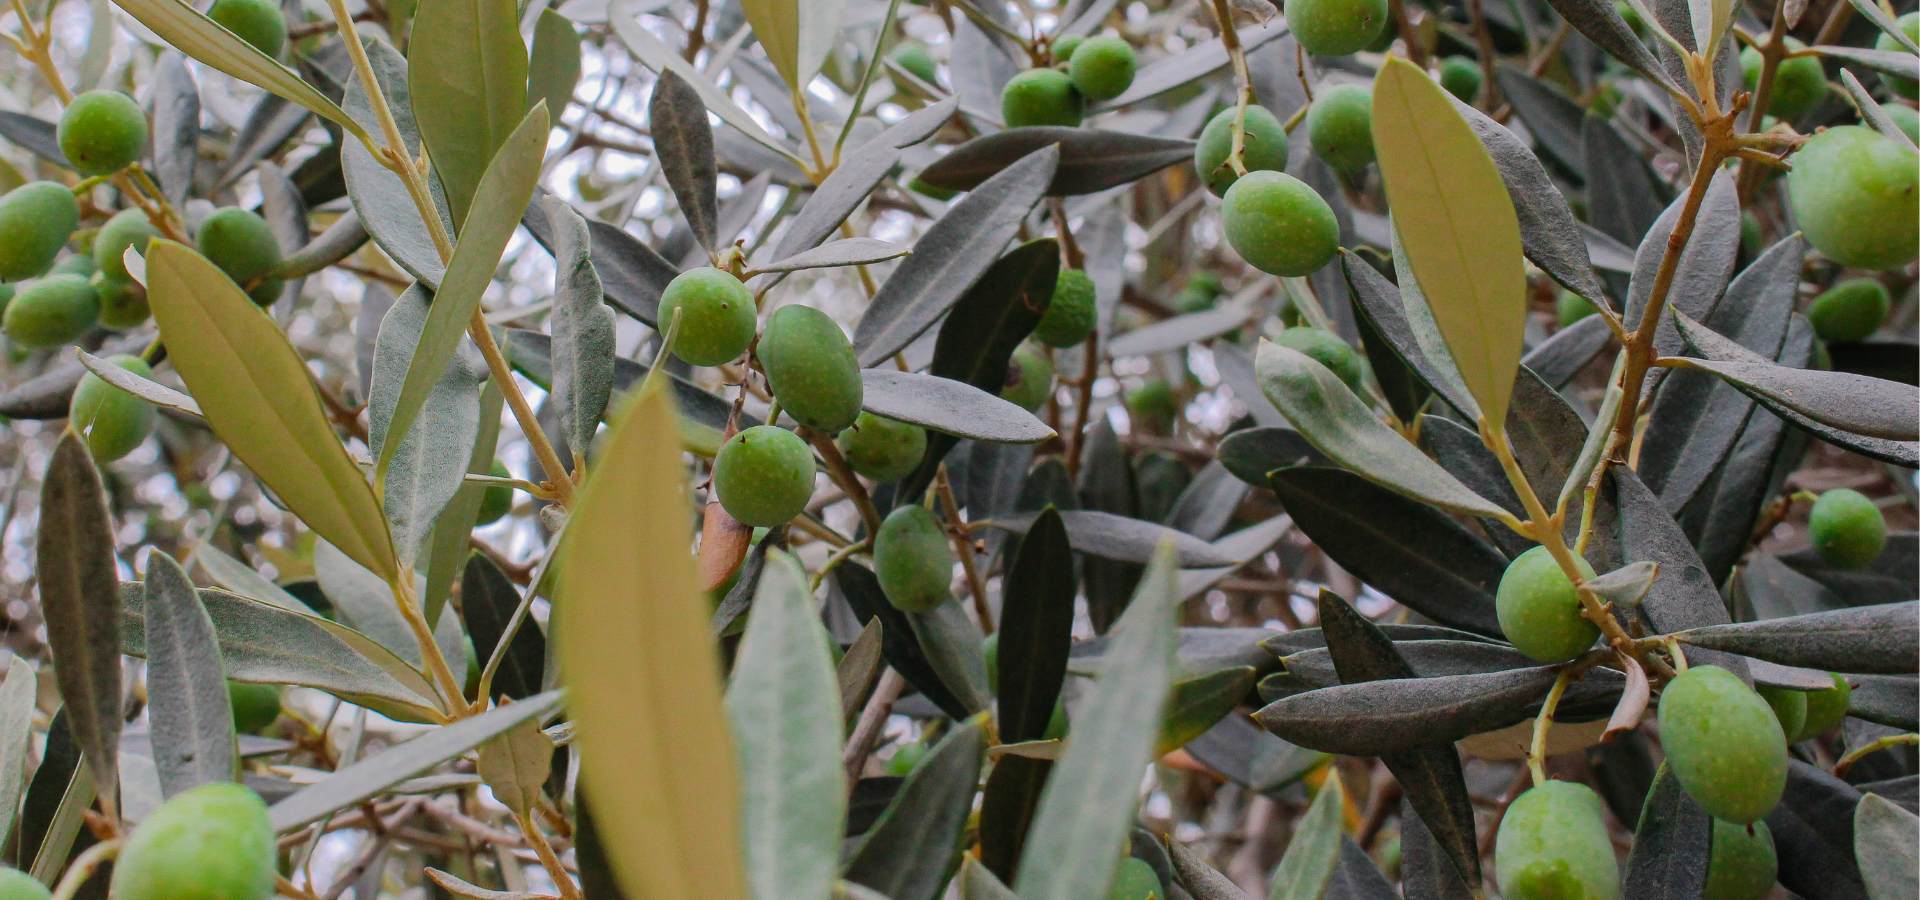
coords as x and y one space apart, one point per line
963 547
1537 753
1772 50
84 866
842 475
1243 79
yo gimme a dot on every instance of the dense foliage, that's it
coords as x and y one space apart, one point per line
846 448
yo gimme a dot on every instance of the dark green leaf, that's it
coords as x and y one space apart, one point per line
1624 195
909 851
1115 537
17 695
1813 835
948 406
951 642
1870 407
897 641
1251 453
1036 628
488 601
1383 717
1314 848
1671 844
80 599
1198 703
192 720
1559 358
683 142
1007 805
1090 160
1893 576
1880 639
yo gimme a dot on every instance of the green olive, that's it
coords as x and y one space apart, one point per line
255 706
1539 608
1461 77
1336 27
36 219
51 311
1040 97
1102 67
112 420
1799 83
881 448
18 885
1848 531
1570 307
912 559
1826 709
764 475
127 228
1152 406
1909 23
1070 314
906 758
1724 743
1064 46
1742 864
1789 706
1856 194
810 365
497 500
102 132
913 57
1263 147
1850 311
1279 224
241 244
258 22
123 302
212 842
1135 880
1029 378
1340 126
1327 349
717 316
1553 845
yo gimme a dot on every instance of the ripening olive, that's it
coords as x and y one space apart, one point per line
112 420
123 302
1856 194
212 842
906 758
1789 706
882 449
1742 865
811 367
102 132
1539 608
36 219
53 310
1724 743
913 57
1263 147
1826 709
497 499
1847 529
1850 310
1279 224
1905 87
127 228
258 22
255 706
1336 27
1905 118
1040 97
1461 77
1552 844
18 885
1069 316
1064 46
1340 126
764 475
1799 83
1029 378
241 244
912 559
1102 67
1327 349
1135 880
1152 407
717 316
1570 307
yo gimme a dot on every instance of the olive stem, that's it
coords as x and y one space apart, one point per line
83 868
1856 754
1772 50
436 662
548 859
843 475
833 562
962 540
1537 753
1243 78
866 79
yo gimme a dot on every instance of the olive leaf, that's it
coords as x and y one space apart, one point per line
192 720
379 195
176 126
467 72
860 171
1315 846
16 734
1460 231
1883 847
1195 704
447 544
632 275
1036 628
684 144
515 764
1857 404
948 406
428 466
146 389
582 325
1671 844
1880 639
1191 64
80 598
1870 109
848 252
553 65
1600 21
1090 160
905 854
1548 233
656 55
796 34
1700 279
489 603
1116 537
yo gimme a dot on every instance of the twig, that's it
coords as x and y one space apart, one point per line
854 758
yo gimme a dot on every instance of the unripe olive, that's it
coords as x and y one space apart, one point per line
18 885
1905 87
1826 709
1336 27
497 499
1199 292
1102 67
255 706
1029 378
1340 126
102 132
1905 118
1279 224
112 420
1263 148
80 264
127 228
1553 844
1069 316
35 221
764 475
912 559
1790 707
920 186
881 448
1539 608
1064 46
1327 349
1847 529
212 842
1856 195
1850 310
906 758
1724 743
811 367
258 22
51 311
1799 83
1152 406
123 302
241 244
913 57
1460 77
1040 97
1571 307
717 316
1135 880
1742 865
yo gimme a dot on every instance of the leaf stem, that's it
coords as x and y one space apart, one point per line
1858 753
84 866
549 860
402 587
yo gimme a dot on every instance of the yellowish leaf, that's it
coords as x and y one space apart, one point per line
261 402
1458 227
796 34
642 676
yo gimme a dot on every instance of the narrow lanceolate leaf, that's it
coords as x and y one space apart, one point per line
784 704
1857 404
1871 111
80 598
1671 845
582 324
192 720
796 34
1337 424
1090 160
1036 628
1087 807
1883 846
906 855
1602 24
1315 847
859 172
260 400
176 127
855 251
1548 233
553 68
951 256
656 55
949 406
1711 18
379 194
366 779
1700 278
192 33
515 765
1459 228
467 69
430 462
503 195
151 391
684 143
16 734
644 679
1882 639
